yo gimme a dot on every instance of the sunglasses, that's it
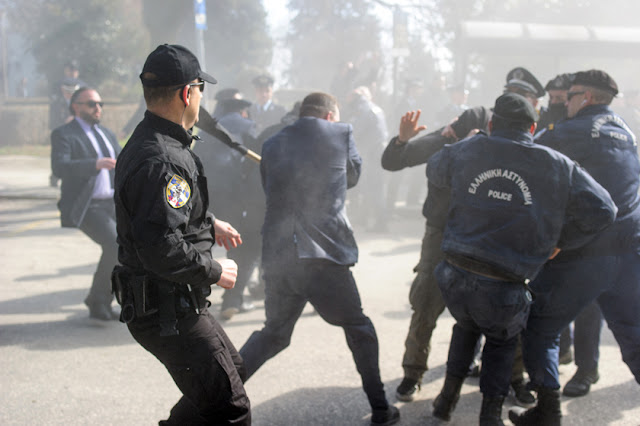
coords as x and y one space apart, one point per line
200 83
572 94
90 104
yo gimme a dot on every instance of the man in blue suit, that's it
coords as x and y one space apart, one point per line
308 244
83 155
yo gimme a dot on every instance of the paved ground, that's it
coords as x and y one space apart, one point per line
59 369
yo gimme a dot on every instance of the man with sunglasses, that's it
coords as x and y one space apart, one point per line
607 269
585 334
166 236
83 155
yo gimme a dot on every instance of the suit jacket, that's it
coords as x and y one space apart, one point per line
306 169
73 159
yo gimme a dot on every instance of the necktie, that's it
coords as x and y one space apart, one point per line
105 151
101 142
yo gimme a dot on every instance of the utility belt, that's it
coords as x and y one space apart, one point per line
145 297
481 268
486 270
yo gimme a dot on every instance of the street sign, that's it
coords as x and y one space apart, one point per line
200 12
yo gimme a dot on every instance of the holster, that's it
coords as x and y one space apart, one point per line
134 293
142 296
120 279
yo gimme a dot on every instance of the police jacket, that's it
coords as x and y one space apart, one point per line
164 229
507 202
306 169
601 142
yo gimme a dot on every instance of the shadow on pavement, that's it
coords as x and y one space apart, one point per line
76 331
87 269
331 406
338 406
600 409
44 303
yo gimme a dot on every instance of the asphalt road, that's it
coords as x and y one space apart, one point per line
60 369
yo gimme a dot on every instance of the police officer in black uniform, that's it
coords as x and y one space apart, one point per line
502 220
166 235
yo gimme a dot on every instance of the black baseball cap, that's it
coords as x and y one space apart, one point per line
515 108
173 65
596 78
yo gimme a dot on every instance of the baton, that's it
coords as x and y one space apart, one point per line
210 125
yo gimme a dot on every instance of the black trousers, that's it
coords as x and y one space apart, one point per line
99 224
205 366
332 291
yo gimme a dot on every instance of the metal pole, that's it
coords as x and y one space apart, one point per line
200 17
3 35
201 53
203 61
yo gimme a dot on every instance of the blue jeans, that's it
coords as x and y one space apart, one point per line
332 291
480 305
563 289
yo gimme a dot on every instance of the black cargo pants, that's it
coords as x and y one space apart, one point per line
205 366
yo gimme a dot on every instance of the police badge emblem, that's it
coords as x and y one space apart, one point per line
178 192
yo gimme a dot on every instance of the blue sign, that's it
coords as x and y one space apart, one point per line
200 12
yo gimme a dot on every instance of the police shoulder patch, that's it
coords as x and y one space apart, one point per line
178 192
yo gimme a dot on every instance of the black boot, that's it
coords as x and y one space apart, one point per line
580 383
547 412
444 403
491 413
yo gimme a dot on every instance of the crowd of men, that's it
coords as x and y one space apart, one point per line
531 217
